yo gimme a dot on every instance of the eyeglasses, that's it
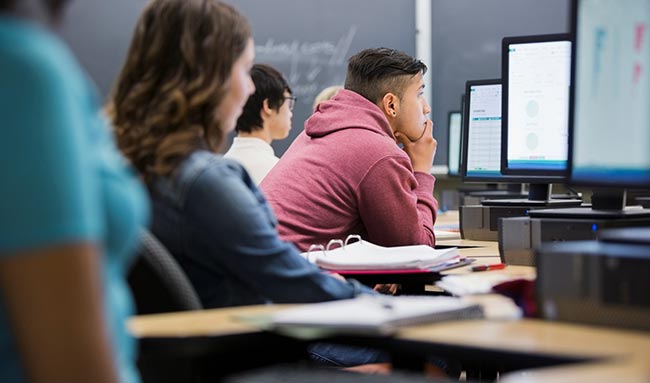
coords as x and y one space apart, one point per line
292 101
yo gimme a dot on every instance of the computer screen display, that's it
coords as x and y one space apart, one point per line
483 130
610 143
454 123
536 79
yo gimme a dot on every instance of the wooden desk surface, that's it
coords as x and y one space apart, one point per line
448 218
626 353
533 336
215 322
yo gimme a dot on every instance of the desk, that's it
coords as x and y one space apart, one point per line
447 220
599 354
179 347
616 355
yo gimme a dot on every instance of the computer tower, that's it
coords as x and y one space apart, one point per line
520 236
595 282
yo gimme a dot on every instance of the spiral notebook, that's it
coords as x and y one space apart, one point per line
363 255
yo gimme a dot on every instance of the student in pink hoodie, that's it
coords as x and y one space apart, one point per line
345 173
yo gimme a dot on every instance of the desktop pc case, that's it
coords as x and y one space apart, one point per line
520 236
595 282
481 223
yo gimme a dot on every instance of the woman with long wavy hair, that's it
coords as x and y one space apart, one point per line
182 88
184 84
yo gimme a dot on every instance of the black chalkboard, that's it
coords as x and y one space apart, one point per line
466 45
309 41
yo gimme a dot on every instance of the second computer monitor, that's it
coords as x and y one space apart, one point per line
454 123
482 132
536 73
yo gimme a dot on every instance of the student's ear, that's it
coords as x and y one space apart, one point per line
390 105
266 110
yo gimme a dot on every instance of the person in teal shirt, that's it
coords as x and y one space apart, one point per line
70 212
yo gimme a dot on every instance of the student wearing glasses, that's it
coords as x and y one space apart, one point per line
266 117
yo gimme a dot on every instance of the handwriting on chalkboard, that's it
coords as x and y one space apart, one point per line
309 66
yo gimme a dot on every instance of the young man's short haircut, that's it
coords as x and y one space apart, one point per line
269 85
374 72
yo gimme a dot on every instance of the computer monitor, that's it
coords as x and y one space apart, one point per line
482 132
610 130
609 140
453 150
534 135
481 147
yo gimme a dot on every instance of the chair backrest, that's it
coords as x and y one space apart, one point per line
158 282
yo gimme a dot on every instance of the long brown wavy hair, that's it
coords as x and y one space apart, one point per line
175 76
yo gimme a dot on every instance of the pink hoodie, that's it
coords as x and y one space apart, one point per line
344 174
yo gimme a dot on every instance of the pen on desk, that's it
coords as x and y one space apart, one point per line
497 266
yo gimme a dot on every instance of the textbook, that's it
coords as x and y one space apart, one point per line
372 314
363 255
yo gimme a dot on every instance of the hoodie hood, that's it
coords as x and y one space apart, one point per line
347 110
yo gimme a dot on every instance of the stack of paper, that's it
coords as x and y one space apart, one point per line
474 283
374 314
364 255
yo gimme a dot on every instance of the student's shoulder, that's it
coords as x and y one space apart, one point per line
209 181
204 167
35 54
377 148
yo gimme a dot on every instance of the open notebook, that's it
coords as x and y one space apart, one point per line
363 255
369 314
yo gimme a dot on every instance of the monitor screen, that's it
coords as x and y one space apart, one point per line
610 143
454 123
536 79
483 130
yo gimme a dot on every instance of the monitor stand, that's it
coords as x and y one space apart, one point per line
605 204
492 191
538 196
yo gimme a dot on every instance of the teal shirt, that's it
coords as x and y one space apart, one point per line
63 179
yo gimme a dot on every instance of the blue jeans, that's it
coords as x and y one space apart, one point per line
337 355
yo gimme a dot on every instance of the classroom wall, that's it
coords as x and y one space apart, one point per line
309 41
466 45
99 33
466 37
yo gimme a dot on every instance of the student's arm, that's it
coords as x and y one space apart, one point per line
55 306
237 224
397 205
49 218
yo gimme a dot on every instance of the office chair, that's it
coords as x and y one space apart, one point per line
159 285
158 282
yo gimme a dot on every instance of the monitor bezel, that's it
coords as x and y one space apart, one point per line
449 173
530 175
465 143
601 184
